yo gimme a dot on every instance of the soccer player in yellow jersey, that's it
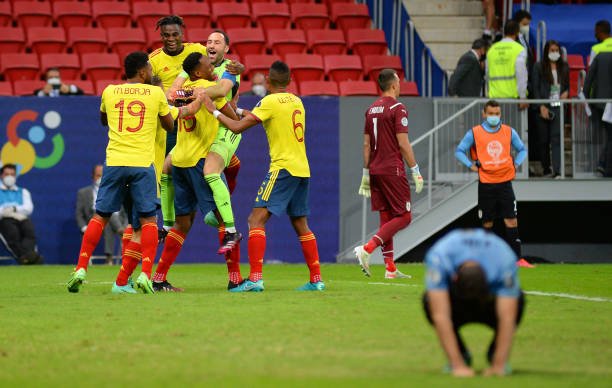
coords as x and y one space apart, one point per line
194 140
131 111
285 188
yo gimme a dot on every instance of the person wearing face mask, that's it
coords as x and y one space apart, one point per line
550 81
468 77
258 87
16 227
489 145
55 87
85 209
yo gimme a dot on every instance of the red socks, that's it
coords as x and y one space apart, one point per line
90 240
172 247
131 257
257 249
387 231
148 240
125 239
231 173
311 255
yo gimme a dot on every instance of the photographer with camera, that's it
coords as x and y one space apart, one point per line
55 87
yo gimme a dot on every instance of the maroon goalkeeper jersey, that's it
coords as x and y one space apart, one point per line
383 120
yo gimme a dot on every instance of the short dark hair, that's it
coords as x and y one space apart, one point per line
511 28
479 43
8 166
134 62
225 36
603 26
520 15
169 20
490 103
386 78
191 62
279 74
471 281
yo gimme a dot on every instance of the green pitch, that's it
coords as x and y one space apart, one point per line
359 332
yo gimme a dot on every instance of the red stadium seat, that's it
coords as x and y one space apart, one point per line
231 15
245 86
259 63
293 88
343 67
68 64
27 87
306 67
101 66
367 42
350 15
111 13
87 40
246 41
6 88
283 42
194 14
124 40
319 88
308 16
12 40
575 62
409 88
19 66
373 64
329 3
46 39
86 85
196 35
271 15
72 14
32 14
102 83
358 88
6 15
146 14
326 42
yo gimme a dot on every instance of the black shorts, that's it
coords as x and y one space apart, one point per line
496 200
467 311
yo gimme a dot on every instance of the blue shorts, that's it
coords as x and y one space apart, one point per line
191 190
282 192
120 182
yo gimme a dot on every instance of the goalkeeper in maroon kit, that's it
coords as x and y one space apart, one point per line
385 147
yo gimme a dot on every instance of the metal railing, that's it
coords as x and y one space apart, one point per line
540 39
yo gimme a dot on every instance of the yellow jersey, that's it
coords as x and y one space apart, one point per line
283 118
167 67
196 134
133 112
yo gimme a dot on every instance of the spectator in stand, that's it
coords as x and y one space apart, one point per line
468 77
16 227
491 31
85 209
597 85
258 87
55 87
550 81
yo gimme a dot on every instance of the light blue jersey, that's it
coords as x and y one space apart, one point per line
495 257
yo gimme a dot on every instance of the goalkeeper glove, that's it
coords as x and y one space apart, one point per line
364 188
417 178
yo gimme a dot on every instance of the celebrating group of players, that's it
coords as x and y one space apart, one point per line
195 103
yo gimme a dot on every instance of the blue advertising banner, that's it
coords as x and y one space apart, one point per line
57 141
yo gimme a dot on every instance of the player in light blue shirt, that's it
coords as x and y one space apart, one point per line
472 278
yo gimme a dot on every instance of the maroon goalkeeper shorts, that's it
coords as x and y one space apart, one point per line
390 193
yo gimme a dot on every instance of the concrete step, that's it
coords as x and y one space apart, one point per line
443 7
447 54
441 35
449 22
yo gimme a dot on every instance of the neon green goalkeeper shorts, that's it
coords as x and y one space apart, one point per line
225 144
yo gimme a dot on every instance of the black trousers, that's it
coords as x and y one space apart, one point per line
467 311
20 237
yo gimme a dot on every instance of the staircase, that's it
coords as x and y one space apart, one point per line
448 27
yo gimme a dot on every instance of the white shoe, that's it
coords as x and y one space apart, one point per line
396 275
364 260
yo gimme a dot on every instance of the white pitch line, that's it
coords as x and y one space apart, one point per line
392 284
568 296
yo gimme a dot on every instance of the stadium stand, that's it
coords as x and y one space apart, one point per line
343 67
111 14
42 40
146 14
6 88
102 83
19 66
6 16
194 14
245 86
319 88
124 40
255 63
409 88
365 41
86 85
271 15
68 64
284 41
12 40
576 65
347 16
374 64
246 41
83 40
231 15
199 35
306 67
27 87
308 16
72 14
358 88
98 66
326 42
32 14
